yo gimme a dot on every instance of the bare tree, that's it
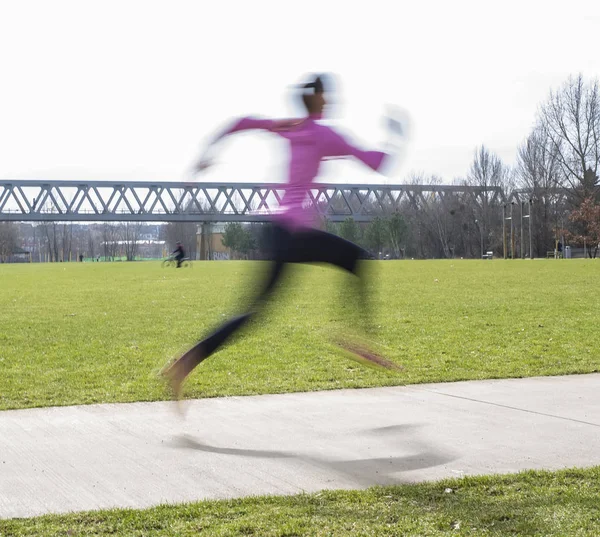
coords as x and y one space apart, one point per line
539 173
91 242
130 233
51 233
571 120
397 231
110 237
67 241
51 238
8 240
488 172
184 232
79 240
427 218
28 239
377 236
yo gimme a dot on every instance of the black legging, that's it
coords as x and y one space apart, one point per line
306 246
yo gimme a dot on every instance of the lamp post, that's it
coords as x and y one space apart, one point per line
512 232
522 243
480 235
530 226
561 234
504 230
528 216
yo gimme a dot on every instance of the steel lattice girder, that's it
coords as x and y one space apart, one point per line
555 196
204 202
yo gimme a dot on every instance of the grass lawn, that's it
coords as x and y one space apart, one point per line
565 503
75 333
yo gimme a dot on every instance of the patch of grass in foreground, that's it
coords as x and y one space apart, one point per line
531 503
73 333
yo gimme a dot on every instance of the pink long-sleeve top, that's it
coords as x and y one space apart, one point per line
310 144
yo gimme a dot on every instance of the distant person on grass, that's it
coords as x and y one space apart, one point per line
178 254
294 237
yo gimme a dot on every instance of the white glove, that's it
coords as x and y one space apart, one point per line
397 128
397 124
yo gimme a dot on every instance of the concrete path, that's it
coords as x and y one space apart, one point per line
137 455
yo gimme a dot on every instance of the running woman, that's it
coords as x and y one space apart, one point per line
295 237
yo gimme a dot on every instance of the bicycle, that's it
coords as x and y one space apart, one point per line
170 261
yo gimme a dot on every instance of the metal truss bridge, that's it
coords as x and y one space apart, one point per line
102 201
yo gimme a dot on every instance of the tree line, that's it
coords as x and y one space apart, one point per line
556 168
66 241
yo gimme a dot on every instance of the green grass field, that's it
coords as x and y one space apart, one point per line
100 332
543 504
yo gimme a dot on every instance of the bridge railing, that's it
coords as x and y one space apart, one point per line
195 202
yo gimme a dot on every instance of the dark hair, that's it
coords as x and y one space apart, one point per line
317 86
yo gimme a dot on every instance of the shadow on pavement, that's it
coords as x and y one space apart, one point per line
368 471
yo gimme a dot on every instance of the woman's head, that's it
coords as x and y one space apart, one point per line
313 96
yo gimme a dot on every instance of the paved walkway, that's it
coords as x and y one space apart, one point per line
137 455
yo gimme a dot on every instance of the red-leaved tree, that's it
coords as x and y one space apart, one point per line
587 222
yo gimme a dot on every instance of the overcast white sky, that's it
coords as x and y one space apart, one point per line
128 90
